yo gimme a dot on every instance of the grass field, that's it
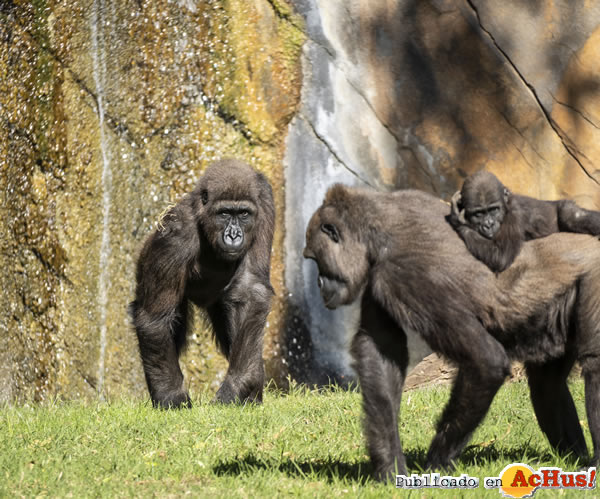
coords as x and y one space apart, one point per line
303 443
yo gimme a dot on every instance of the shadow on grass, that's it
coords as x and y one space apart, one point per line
328 469
333 470
476 455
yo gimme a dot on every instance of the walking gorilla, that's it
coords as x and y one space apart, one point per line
399 256
213 249
494 223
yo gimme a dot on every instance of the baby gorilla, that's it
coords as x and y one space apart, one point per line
212 249
493 223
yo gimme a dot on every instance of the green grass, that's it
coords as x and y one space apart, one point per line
305 443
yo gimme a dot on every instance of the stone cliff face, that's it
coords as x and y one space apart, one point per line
109 111
409 93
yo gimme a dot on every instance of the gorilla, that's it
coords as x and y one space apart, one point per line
494 223
212 249
396 253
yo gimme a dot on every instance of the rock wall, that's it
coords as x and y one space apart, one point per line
421 93
110 111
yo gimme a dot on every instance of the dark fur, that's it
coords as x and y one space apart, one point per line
398 255
517 219
187 260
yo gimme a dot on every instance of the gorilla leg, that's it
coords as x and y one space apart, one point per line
239 329
588 352
554 407
380 355
161 340
591 374
572 218
482 370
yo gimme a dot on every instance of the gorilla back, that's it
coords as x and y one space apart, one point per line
399 256
213 249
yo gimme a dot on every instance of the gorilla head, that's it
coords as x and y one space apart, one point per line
228 212
334 243
484 201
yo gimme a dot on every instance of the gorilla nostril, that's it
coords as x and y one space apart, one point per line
233 241
233 236
320 282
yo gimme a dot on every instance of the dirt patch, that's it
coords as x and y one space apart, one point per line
434 370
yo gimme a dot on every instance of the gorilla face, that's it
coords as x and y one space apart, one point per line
484 200
486 219
234 223
340 257
229 227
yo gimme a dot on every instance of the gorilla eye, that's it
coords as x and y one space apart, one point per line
244 214
331 231
204 195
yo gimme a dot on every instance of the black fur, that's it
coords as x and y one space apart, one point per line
212 249
494 223
399 256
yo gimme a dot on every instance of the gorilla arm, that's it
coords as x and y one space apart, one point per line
160 307
573 218
238 320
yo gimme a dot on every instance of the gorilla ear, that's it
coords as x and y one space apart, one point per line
506 194
204 196
331 231
457 200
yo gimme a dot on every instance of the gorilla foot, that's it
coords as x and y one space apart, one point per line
174 400
228 394
388 473
439 461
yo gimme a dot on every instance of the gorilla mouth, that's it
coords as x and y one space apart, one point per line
332 290
234 242
326 280
489 232
230 252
